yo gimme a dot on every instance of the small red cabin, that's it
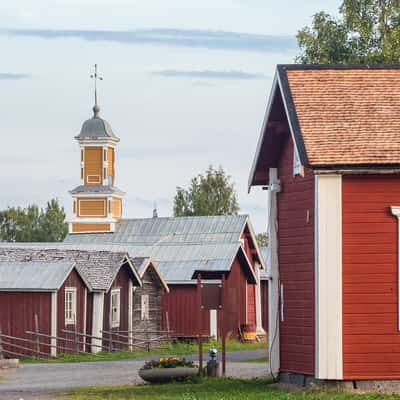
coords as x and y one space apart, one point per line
329 152
39 297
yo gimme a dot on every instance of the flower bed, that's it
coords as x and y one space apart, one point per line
167 370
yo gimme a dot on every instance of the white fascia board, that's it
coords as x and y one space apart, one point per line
328 277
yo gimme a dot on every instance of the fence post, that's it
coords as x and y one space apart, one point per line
1 343
168 328
37 336
76 336
110 345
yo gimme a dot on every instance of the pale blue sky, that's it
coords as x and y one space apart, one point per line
185 86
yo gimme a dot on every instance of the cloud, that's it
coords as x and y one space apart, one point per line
209 74
217 40
5 76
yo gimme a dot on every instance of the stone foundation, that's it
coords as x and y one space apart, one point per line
307 381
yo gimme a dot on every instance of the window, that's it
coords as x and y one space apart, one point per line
70 306
115 307
104 155
145 307
297 167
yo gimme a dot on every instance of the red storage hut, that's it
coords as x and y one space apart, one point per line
41 297
329 152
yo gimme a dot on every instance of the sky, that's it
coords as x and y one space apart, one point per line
185 85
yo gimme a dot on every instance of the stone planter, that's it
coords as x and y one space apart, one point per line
8 363
163 375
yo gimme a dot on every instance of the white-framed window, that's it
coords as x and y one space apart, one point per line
70 306
115 304
145 307
297 167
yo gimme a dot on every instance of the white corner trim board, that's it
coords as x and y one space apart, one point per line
53 340
273 283
97 322
396 212
328 277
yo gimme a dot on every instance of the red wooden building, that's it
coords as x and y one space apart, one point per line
39 296
182 247
329 152
103 305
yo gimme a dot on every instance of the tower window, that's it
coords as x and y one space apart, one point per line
104 154
82 155
104 173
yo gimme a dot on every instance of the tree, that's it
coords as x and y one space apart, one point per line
208 194
367 32
32 224
262 239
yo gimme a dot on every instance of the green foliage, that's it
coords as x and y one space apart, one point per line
32 224
367 32
217 389
262 239
208 194
169 362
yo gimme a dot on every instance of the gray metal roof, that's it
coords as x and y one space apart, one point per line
97 189
97 266
176 262
179 230
96 128
180 246
34 275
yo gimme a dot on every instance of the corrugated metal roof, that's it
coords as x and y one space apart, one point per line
175 262
183 230
34 275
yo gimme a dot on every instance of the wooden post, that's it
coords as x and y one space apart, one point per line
110 345
76 336
167 323
223 322
1 343
200 308
146 333
37 336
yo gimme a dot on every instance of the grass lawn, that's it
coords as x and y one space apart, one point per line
176 349
216 389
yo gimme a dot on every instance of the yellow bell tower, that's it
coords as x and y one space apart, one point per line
97 203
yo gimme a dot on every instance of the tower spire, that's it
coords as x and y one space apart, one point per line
95 76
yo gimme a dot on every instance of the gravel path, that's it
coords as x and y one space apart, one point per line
33 382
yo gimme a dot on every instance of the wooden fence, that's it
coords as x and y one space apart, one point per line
39 345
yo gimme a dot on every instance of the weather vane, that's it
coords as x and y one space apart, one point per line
96 77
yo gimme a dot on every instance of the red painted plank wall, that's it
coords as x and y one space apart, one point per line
235 307
74 281
17 315
181 304
371 339
296 265
121 282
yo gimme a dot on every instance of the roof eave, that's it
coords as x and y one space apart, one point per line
262 133
151 262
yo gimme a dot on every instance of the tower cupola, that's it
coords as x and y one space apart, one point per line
97 202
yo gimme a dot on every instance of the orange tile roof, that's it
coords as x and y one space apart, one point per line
347 115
